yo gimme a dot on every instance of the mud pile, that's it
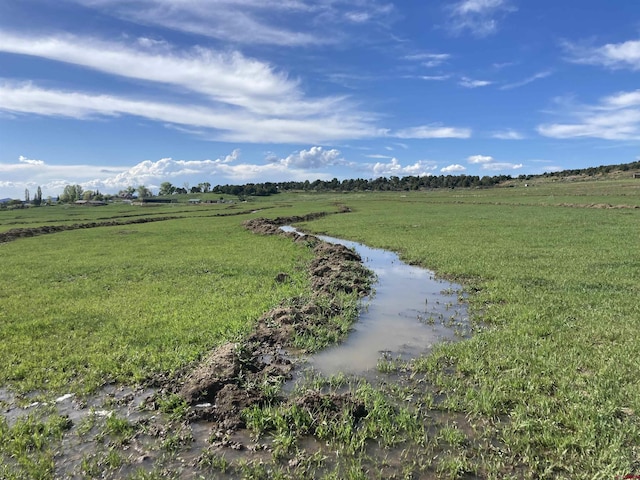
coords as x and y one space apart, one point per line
238 375
15 233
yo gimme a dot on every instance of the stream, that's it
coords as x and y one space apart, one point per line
407 314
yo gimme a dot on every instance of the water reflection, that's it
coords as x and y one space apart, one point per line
409 312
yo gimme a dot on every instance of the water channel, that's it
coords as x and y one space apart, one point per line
409 311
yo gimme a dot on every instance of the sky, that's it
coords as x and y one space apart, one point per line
115 93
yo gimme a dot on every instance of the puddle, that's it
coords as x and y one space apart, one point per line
409 312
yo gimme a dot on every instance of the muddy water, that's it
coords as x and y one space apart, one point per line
408 313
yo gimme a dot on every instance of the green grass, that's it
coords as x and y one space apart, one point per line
549 387
558 371
84 307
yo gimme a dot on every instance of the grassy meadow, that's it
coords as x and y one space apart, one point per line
549 386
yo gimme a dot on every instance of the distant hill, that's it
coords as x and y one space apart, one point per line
619 170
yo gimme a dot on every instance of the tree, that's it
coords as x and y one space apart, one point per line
71 193
27 197
166 189
37 200
88 195
144 192
205 187
127 192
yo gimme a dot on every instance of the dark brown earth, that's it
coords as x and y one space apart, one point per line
232 377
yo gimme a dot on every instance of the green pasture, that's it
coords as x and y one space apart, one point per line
549 387
557 370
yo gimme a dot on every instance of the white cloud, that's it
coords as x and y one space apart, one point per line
429 59
376 155
453 168
224 124
497 166
526 81
479 159
480 17
265 22
470 83
431 131
225 169
611 55
615 117
315 157
395 168
226 77
434 77
29 161
508 134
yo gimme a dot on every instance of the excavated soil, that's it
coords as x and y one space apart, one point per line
229 379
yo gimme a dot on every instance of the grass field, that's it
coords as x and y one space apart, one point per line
549 388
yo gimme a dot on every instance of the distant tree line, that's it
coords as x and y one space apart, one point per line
590 171
73 193
360 184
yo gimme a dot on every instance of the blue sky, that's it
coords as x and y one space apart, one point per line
112 93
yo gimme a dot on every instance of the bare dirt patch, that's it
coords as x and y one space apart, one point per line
237 375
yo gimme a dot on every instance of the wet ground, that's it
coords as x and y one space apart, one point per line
409 311
186 425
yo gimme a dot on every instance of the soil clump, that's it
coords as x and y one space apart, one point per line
237 375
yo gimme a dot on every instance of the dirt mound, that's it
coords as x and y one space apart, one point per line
15 233
228 380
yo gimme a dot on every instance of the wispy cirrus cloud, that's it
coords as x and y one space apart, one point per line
264 22
501 166
526 81
508 134
230 97
430 131
615 117
429 59
471 83
227 77
479 17
611 55
219 123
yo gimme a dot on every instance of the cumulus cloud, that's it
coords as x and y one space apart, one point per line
225 169
487 162
610 55
395 168
479 159
453 168
315 157
615 117
479 17
29 161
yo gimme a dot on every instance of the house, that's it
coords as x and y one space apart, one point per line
194 201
